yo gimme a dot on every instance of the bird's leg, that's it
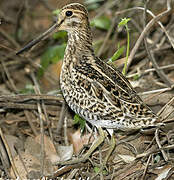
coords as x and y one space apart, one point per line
111 148
89 152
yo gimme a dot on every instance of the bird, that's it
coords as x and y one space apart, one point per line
94 89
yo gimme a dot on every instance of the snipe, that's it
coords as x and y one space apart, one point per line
95 90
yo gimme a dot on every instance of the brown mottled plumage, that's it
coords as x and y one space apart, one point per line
95 90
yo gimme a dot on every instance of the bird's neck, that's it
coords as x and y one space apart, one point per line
79 45
80 42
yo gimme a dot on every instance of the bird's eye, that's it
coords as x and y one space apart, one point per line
69 13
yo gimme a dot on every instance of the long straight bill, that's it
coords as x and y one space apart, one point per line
38 39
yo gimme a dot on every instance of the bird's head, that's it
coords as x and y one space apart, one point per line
72 17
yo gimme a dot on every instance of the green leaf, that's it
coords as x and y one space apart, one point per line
117 54
51 55
102 22
80 121
97 44
93 6
29 89
56 12
157 158
124 22
97 170
92 1
60 35
136 77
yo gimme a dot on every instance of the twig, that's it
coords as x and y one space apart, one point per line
65 131
30 122
145 154
104 8
42 160
170 66
6 17
152 58
16 173
145 170
18 19
65 169
149 12
160 72
47 120
145 31
156 91
47 5
13 105
21 101
72 174
9 38
4 157
24 98
166 105
159 145
20 157
62 116
107 37
143 53
9 77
